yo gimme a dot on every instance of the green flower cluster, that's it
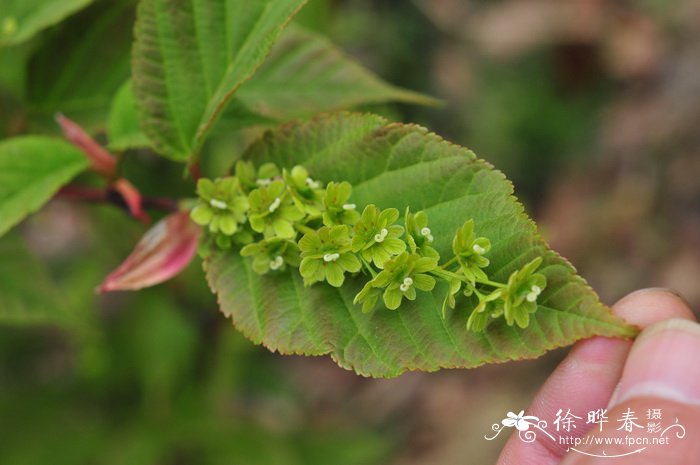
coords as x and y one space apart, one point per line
284 218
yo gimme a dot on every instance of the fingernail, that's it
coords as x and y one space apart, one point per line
663 363
656 290
652 305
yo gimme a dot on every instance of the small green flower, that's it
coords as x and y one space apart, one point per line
368 296
376 237
336 204
400 278
251 179
470 251
222 205
272 254
306 193
243 236
450 301
521 292
490 306
418 234
326 255
272 212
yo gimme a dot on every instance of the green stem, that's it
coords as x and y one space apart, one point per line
454 259
367 266
309 218
444 273
303 228
490 283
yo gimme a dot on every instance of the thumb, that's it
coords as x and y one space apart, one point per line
661 376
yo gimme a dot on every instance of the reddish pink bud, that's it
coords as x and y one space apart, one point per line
165 250
132 198
102 161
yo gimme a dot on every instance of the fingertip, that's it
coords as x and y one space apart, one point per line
663 362
652 305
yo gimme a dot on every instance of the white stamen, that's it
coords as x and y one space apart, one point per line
408 281
531 297
275 205
382 235
349 206
263 182
536 289
425 232
331 257
430 238
277 263
220 204
312 184
478 249
404 287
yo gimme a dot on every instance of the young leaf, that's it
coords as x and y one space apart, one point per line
21 19
396 165
101 160
27 294
123 124
32 169
306 74
191 56
162 252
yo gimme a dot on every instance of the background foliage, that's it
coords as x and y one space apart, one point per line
592 117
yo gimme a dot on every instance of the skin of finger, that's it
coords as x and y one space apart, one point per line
663 362
677 451
587 377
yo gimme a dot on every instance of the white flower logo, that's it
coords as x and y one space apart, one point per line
520 421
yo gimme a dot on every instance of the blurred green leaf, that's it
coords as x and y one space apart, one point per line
123 126
13 68
306 74
400 166
163 346
32 169
82 64
21 19
27 293
190 57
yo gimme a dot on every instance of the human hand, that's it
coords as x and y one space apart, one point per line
660 370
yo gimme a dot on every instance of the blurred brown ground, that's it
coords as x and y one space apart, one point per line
625 209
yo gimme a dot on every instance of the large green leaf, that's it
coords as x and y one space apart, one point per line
190 57
32 169
21 19
27 294
122 125
395 165
306 74
125 132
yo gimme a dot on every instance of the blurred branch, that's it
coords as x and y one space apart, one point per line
111 196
